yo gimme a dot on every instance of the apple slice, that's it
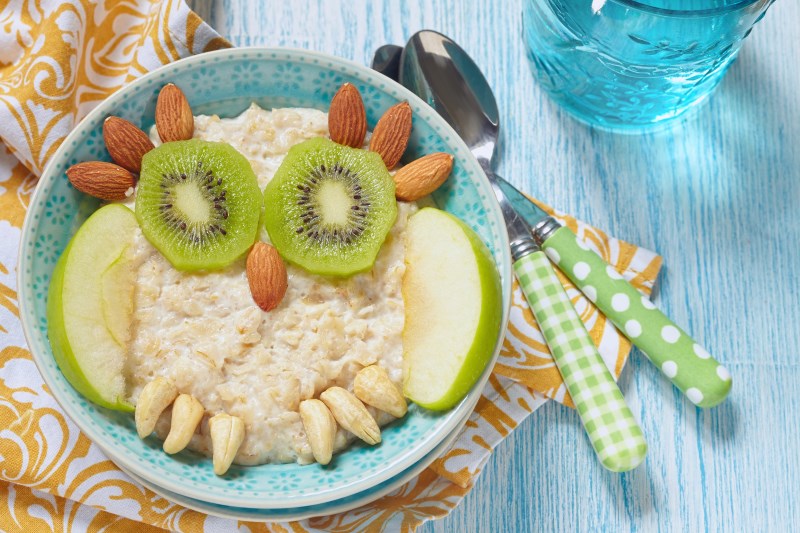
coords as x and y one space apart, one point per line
453 309
90 305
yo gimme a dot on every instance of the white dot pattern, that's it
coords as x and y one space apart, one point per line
620 302
633 328
670 334
701 352
553 255
687 364
581 270
694 395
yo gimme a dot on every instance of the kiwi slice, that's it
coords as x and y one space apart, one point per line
329 207
198 203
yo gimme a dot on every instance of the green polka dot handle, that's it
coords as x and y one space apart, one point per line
613 431
687 364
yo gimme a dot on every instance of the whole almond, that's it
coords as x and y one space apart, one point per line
100 179
423 176
126 143
390 136
347 120
266 275
174 119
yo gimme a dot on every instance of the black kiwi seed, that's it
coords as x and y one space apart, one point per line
211 192
329 207
183 207
312 225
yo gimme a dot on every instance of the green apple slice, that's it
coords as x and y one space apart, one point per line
453 309
90 306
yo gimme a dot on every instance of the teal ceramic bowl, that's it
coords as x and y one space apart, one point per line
289 514
225 83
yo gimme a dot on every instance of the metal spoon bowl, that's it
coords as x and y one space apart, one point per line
432 65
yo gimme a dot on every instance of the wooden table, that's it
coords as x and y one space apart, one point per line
718 196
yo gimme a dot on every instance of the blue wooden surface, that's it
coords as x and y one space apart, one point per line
717 196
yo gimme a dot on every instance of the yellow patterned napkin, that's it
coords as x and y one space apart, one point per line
58 59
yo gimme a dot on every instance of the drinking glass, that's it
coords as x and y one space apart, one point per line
631 65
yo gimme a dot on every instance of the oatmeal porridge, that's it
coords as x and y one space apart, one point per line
205 334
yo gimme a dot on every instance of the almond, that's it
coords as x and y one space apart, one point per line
126 143
390 136
174 119
106 181
347 120
423 176
266 275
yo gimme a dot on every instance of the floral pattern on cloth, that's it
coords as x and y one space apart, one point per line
58 59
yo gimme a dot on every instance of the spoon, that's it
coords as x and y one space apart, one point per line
613 432
438 70
386 60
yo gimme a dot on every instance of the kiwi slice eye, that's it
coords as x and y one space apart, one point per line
329 207
198 203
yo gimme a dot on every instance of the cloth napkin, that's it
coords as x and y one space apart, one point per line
58 59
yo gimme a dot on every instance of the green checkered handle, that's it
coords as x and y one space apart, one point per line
616 437
687 364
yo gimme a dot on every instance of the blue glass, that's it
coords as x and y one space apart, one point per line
628 65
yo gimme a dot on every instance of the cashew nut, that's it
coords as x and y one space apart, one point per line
351 414
154 398
373 387
227 434
186 415
320 429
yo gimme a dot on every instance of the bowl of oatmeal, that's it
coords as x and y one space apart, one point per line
203 332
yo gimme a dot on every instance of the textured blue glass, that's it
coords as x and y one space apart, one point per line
626 65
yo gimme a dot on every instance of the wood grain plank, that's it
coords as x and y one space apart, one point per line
717 195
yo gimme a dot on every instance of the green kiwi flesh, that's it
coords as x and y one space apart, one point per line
329 208
198 203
